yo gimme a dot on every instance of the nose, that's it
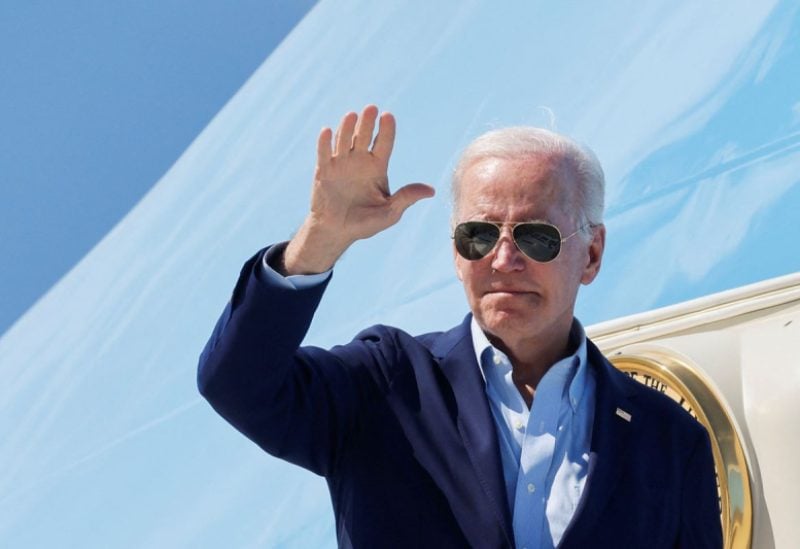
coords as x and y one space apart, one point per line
507 257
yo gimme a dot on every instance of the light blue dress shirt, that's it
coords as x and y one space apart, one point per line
544 450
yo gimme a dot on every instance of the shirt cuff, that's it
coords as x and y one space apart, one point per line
296 282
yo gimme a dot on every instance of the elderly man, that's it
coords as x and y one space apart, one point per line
510 430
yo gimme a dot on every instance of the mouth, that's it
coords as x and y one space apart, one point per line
510 292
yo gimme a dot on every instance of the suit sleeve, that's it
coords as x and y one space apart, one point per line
296 403
700 518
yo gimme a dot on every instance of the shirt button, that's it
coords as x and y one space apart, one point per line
519 425
560 427
531 488
497 359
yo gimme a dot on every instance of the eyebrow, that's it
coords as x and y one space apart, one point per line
529 220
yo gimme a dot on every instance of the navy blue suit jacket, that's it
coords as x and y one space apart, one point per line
401 429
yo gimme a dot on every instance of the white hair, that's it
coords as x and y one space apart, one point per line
521 142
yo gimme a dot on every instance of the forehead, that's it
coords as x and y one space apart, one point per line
500 189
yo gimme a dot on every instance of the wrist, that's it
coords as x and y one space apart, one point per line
314 249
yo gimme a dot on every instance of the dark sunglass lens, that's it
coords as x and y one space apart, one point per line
475 239
538 241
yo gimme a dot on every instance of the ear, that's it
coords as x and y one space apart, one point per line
594 255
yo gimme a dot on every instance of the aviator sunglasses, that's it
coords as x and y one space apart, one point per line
539 241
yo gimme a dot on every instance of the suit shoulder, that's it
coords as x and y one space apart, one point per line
389 342
384 333
432 341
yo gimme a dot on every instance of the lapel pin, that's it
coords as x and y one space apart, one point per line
623 414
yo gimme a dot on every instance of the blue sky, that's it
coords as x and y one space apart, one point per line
97 101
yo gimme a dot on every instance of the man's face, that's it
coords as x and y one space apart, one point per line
514 298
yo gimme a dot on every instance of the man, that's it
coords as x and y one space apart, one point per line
510 430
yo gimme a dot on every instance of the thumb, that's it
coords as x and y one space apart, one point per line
408 195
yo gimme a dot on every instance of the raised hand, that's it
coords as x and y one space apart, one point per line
350 197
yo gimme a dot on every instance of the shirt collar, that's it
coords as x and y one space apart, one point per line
577 339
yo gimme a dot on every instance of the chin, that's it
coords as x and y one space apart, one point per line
502 322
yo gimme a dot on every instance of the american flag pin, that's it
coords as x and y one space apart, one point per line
623 414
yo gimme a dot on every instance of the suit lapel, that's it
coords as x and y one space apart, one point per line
475 422
610 449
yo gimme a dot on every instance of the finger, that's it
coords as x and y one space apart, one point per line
411 194
344 135
324 146
384 141
365 127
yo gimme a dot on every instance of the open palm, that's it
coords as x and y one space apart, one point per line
350 197
351 188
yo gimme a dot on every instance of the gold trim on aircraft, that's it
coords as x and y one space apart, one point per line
682 381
